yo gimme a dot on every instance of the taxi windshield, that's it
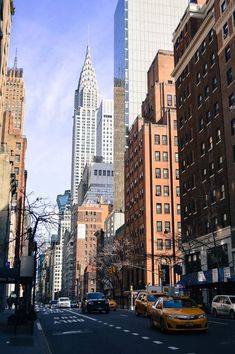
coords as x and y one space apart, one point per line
179 303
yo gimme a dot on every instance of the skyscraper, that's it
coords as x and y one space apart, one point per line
84 123
104 131
141 28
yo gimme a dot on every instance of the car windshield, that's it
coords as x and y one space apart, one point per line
179 303
95 296
232 299
63 299
152 297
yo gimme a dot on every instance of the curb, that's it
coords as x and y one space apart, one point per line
42 338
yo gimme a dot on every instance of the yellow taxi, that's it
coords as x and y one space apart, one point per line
178 313
112 304
144 302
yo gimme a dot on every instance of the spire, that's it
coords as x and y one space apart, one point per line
15 61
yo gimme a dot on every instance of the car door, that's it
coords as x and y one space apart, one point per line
226 305
144 304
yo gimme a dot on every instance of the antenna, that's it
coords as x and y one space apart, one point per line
88 35
15 61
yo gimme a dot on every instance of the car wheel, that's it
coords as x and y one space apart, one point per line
136 312
215 313
232 315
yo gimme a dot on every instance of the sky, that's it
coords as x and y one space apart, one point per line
51 38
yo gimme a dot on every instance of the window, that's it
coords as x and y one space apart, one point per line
218 135
100 172
165 156
198 78
158 208
175 124
169 100
158 190
179 226
177 191
222 192
17 158
104 172
157 156
207 91
203 149
205 69
220 162
211 34
16 170
225 30
176 140
157 139
216 109
231 100
159 244
164 140
167 226
196 56
18 146
233 126
227 54
166 191
157 172
159 226
95 172
223 6
203 174
211 168
208 116
201 123
166 208
210 143
229 75
212 59
178 209
176 157
203 46
199 100
177 174
165 173
168 244
214 83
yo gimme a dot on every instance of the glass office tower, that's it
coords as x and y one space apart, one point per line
141 28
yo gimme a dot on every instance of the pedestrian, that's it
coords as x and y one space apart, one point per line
9 302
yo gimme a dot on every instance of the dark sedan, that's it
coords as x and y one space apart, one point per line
95 302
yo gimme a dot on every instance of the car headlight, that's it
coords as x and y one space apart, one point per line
170 316
90 303
202 316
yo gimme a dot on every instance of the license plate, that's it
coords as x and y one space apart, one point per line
189 324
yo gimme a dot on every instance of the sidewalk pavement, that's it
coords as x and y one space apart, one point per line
22 342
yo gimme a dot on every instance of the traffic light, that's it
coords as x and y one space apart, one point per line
13 184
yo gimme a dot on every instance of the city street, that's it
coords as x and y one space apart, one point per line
70 331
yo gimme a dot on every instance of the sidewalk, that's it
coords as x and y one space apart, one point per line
23 342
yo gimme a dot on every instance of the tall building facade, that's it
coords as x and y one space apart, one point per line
141 28
152 202
84 123
96 185
205 88
104 131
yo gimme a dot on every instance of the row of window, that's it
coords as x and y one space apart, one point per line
166 208
164 173
157 156
165 191
167 227
103 173
160 244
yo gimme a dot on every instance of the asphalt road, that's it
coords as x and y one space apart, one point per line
121 332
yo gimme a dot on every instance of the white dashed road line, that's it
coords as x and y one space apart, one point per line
157 342
145 337
135 334
126 330
173 348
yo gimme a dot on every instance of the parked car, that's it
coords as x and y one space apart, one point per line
94 302
112 304
223 305
63 302
74 304
144 302
178 314
53 304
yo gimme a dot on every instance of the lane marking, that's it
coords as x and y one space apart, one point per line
111 325
135 334
126 330
157 342
118 327
145 337
173 348
221 323
124 315
39 326
84 316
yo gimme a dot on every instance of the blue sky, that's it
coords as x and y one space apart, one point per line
51 38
